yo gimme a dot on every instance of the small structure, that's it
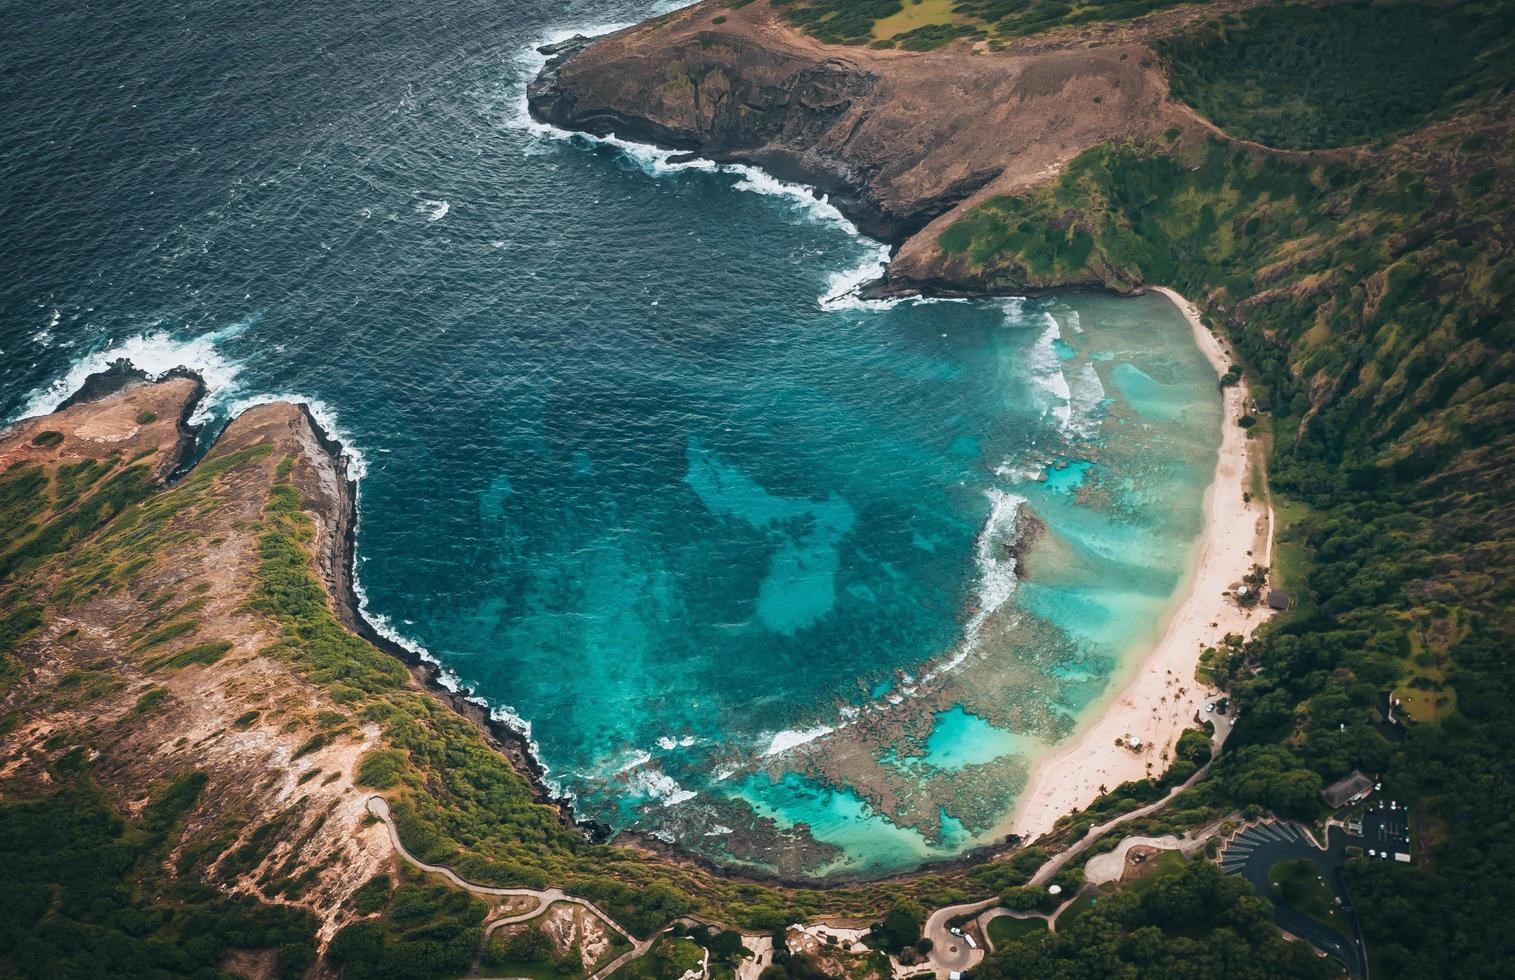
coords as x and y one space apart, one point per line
1348 789
1261 405
1279 599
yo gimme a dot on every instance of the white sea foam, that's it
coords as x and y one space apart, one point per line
668 744
841 288
634 759
434 210
357 468
791 738
996 576
1047 374
155 353
997 582
1087 397
658 785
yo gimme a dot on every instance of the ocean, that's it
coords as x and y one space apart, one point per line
635 467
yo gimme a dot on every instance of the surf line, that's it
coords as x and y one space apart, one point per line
842 288
157 353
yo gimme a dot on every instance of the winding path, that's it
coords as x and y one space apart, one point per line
1060 860
546 897
952 953
949 954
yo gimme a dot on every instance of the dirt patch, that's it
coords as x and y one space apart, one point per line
899 139
572 928
150 664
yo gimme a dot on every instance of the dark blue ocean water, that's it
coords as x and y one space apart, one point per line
623 473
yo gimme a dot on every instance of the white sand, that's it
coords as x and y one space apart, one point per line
1161 699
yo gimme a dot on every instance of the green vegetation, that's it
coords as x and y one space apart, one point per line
1196 923
1020 18
149 701
424 930
901 927
1370 294
838 21
938 22
85 894
1308 74
27 549
459 803
1006 930
47 439
936 35
670 957
146 418
1300 885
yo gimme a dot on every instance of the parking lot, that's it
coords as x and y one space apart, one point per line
1385 833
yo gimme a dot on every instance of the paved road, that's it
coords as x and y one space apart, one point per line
379 807
951 953
1257 848
1049 870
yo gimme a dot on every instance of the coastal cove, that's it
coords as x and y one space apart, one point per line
843 538
757 489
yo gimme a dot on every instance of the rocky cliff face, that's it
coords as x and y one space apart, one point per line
900 141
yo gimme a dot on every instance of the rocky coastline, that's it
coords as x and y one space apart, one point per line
901 144
339 570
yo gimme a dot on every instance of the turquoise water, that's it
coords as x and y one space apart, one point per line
624 473
960 739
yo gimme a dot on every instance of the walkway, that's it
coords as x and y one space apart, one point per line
951 953
546 897
1058 861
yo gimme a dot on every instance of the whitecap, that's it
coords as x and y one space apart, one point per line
1047 374
842 287
632 760
996 575
658 785
156 353
792 738
434 210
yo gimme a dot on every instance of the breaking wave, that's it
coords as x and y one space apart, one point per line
156 353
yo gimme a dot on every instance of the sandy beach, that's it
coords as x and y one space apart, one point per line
1161 699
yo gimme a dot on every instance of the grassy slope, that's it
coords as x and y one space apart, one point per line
921 25
455 800
1371 293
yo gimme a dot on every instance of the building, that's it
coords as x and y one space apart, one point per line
1279 599
1348 789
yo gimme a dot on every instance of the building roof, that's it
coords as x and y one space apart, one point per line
1347 788
1279 599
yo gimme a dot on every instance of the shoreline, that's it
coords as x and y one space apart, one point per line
428 674
1150 706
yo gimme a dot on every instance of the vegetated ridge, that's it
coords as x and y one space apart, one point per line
1332 184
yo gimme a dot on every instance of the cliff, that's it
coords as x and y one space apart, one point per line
902 142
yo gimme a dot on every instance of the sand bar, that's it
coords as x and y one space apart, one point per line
1150 707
